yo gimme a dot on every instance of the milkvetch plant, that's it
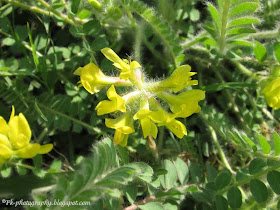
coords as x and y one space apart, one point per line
15 139
229 158
144 101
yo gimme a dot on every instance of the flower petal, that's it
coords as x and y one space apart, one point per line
5 152
117 103
111 55
4 140
3 126
45 148
19 131
123 124
272 93
29 151
177 128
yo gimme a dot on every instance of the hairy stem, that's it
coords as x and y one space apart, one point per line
220 150
222 40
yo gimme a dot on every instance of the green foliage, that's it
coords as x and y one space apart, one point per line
228 160
98 174
161 27
232 24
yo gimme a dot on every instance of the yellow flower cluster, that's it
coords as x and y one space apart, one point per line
15 139
272 93
148 97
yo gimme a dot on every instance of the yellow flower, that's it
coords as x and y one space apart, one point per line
184 104
272 93
15 139
175 126
145 116
127 68
123 126
93 79
178 80
116 103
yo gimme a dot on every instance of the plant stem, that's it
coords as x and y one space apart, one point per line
152 145
42 135
192 42
222 38
138 41
220 150
30 8
50 13
21 164
64 17
246 71
255 176
266 34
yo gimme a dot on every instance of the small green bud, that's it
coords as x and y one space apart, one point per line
115 13
96 4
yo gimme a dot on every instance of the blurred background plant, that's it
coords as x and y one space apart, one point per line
230 157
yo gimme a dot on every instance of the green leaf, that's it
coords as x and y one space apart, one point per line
223 180
169 193
8 41
100 43
240 30
37 161
168 180
131 192
83 14
151 206
242 174
273 178
240 42
221 202
55 166
75 6
248 7
34 54
260 51
276 139
37 108
264 144
192 188
215 14
75 31
182 170
6 171
256 165
123 153
5 24
250 142
258 190
76 185
39 172
243 21
195 172
234 197
144 171
211 172
91 27
21 170
277 51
